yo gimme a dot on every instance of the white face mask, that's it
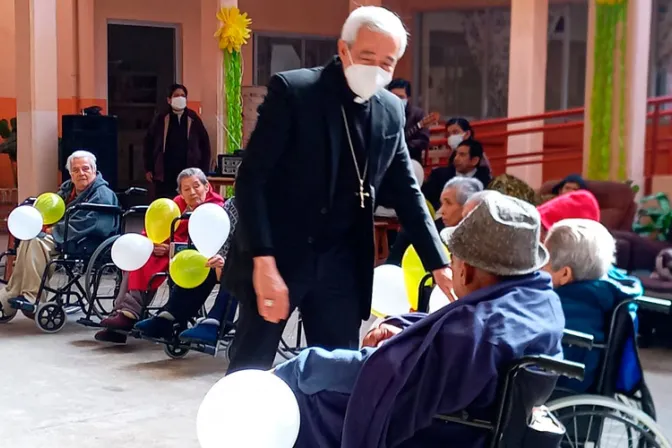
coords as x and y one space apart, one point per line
455 140
178 102
366 80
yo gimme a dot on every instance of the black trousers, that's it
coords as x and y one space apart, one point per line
327 300
184 304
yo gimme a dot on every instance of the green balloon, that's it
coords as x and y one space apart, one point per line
51 207
188 269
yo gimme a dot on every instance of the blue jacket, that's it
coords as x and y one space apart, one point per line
86 229
441 363
588 306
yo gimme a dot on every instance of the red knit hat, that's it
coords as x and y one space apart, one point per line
574 205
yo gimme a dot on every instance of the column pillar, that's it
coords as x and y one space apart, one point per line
527 81
638 37
354 4
37 96
213 108
636 88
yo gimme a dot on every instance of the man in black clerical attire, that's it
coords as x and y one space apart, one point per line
328 146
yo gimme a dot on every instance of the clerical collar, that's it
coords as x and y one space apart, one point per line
471 173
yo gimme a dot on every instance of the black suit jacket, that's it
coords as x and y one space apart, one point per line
284 188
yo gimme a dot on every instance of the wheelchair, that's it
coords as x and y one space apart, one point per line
50 312
589 418
606 411
175 348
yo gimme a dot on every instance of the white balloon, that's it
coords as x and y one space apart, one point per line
437 300
419 171
25 222
209 227
389 291
249 408
131 251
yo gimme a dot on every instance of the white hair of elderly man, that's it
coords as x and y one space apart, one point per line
375 18
583 245
81 154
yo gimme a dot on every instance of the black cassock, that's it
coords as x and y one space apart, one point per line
298 197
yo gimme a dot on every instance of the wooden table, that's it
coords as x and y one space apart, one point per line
218 182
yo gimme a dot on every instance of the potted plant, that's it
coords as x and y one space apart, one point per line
8 145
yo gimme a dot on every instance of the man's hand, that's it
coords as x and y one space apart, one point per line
216 262
161 250
272 292
149 176
376 337
444 280
48 230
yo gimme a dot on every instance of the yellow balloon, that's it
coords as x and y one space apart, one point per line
158 219
188 269
430 207
414 271
51 207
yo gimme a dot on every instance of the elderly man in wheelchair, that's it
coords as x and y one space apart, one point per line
86 230
416 366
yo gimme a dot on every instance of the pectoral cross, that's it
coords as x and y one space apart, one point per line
362 194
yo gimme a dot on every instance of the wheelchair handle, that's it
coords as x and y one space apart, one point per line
28 201
173 225
135 191
577 339
563 367
423 302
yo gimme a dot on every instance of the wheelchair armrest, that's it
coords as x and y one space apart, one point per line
577 339
100 208
654 304
566 368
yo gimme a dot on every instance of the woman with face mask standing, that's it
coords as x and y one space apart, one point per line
176 140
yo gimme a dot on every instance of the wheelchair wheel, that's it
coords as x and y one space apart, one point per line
175 351
102 275
50 317
593 420
5 318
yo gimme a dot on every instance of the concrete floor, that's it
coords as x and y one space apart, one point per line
66 390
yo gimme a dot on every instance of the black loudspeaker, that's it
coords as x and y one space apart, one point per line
97 134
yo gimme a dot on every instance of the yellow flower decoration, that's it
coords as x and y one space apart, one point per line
234 29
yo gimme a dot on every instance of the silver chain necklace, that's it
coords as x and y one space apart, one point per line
361 175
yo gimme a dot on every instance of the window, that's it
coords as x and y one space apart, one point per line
464 60
277 53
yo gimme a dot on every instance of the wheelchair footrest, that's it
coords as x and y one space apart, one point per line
88 323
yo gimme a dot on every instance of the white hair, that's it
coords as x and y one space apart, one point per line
583 245
378 19
190 172
465 188
81 154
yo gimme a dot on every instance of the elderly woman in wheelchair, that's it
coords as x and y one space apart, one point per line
416 366
140 286
86 230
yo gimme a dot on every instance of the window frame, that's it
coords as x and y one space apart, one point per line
281 35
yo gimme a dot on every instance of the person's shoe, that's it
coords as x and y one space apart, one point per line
111 336
118 321
205 332
23 304
156 327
